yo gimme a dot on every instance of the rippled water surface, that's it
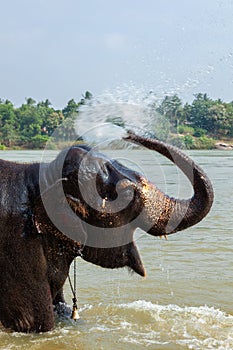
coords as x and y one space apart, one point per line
186 300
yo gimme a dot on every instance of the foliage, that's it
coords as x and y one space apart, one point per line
199 132
38 141
204 142
185 129
193 125
202 122
160 126
32 124
189 141
177 141
171 107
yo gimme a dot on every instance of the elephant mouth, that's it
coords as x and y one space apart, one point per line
109 247
116 257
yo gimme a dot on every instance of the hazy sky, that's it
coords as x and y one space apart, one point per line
58 49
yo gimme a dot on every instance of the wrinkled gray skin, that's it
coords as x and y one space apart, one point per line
80 200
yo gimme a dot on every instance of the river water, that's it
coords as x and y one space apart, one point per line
185 302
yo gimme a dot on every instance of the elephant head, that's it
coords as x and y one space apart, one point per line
96 203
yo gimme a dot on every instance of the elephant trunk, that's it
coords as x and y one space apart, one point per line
164 215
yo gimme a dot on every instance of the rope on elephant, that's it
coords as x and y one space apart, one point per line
75 315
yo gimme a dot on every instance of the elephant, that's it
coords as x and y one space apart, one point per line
81 203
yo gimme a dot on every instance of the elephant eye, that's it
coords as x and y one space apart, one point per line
104 173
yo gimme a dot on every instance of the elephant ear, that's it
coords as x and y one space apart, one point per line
55 210
57 227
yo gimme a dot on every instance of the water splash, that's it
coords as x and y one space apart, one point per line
144 323
137 324
100 133
107 117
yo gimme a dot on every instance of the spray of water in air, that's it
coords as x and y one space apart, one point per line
107 117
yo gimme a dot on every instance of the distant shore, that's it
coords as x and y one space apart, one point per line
203 124
219 145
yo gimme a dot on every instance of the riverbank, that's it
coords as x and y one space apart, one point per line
204 142
180 141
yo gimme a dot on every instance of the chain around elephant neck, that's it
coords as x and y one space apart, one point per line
75 316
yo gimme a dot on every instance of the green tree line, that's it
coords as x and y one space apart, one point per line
32 124
200 123
192 125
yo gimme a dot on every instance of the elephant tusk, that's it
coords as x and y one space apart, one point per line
104 202
165 236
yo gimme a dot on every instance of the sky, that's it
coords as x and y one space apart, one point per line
58 49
